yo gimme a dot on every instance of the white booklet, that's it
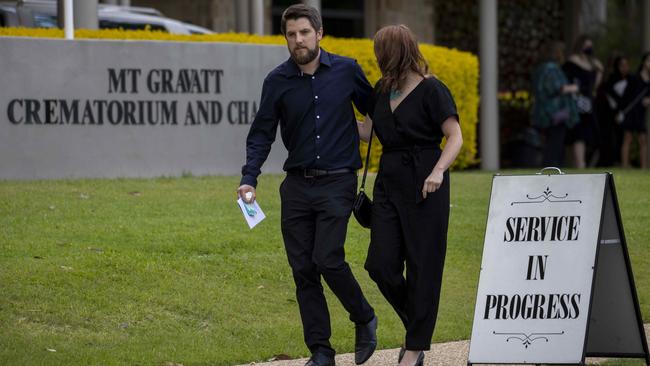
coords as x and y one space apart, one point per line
252 212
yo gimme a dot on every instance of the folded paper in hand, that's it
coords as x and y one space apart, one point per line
252 212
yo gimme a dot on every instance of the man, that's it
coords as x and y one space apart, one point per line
310 94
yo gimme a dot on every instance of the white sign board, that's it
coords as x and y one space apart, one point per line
538 269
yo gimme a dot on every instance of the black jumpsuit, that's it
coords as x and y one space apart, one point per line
405 227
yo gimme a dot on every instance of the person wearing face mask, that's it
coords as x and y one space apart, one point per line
584 70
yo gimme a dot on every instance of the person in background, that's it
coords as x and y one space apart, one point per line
411 112
311 95
554 110
612 96
632 115
584 70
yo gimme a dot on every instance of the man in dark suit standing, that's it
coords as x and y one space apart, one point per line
311 96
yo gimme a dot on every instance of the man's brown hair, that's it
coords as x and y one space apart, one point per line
297 11
397 53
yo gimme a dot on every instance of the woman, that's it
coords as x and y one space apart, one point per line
584 70
633 115
410 112
554 110
618 90
607 101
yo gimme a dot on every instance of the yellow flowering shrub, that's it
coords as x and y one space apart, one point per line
458 70
519 99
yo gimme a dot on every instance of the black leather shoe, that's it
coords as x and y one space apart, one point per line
319 359
365 341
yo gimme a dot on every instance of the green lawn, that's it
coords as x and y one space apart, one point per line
150 271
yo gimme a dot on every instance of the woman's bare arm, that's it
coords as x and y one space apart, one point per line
451 130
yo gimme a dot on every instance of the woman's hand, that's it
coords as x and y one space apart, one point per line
433 182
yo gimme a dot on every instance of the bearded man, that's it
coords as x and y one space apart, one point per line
310 95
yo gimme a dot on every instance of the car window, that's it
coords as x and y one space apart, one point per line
111 24
45 21
3 22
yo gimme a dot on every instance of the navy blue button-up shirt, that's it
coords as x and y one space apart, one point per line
317 121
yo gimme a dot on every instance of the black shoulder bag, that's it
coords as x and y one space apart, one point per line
362 207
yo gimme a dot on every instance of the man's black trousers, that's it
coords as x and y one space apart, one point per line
315 214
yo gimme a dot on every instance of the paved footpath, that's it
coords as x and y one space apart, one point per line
443 354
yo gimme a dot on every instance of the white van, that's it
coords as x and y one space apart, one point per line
43 14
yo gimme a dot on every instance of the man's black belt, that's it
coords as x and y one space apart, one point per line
313 173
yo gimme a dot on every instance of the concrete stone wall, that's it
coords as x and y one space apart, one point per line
129 108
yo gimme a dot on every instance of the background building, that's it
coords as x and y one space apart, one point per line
617 26
505 34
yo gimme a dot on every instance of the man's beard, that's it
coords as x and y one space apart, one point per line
303 59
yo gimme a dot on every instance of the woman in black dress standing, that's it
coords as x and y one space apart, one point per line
613 97
634 121
411 112
584 70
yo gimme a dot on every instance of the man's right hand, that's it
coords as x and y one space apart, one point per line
245 188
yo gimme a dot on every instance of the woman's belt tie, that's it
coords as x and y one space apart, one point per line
411 156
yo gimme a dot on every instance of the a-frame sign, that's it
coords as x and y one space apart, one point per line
556 283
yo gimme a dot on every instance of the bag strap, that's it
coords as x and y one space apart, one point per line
365 167
635 101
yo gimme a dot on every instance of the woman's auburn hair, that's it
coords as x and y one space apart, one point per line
397 54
